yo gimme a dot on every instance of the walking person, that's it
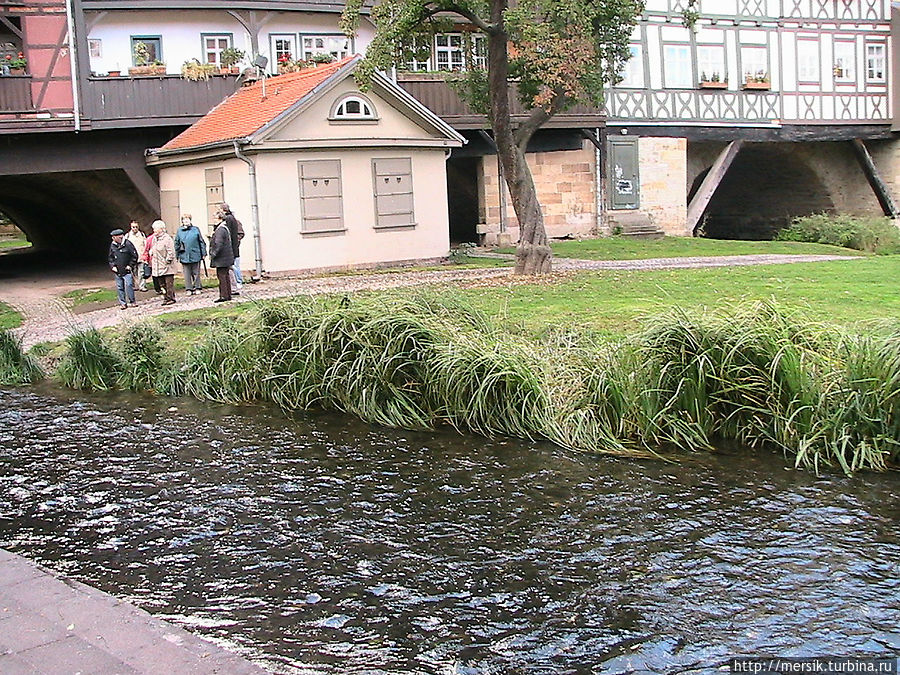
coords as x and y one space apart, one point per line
190 247
221 256
237 233
146 260
122 259
139 241
162 260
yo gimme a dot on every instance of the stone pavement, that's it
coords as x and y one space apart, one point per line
50 625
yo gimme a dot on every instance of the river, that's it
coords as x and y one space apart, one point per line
316 544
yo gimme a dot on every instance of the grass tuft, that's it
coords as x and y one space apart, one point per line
16 367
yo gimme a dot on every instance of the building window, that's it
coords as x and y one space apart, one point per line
809 68
632 72
215 194
95 48
420 48
478 52
353 107
448 51
154 48
321 199
844 61
284 48
711 63
393 192
316 46
213 46
875 62
755 64
677 67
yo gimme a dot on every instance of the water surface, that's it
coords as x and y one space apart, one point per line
316 544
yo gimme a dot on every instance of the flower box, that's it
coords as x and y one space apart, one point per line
139 71
713 85
764 86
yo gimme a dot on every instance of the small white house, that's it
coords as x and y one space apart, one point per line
322 175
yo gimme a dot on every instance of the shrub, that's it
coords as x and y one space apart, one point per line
16 367
89 362
141 348
875 235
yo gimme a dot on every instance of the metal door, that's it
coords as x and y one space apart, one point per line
624 183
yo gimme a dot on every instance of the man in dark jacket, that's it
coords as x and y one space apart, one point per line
221 256
123 258
237 233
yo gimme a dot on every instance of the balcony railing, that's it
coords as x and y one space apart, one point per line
15 93
436 94
152 101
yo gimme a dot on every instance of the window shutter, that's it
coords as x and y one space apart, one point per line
321 198
393 192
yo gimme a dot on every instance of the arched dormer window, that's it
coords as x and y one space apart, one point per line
352 108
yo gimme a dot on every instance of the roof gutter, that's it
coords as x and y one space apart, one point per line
254 208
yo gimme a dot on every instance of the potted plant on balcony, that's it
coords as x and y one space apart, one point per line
713 81
14 64
286 64
141 59
757 80
229 58
318 59
157 68
195 71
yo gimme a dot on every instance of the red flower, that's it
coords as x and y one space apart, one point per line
9 57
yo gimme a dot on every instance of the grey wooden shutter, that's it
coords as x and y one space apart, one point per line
393 192
321 199
215 195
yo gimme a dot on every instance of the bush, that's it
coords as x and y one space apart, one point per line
16 367
141 347
89 362
875 235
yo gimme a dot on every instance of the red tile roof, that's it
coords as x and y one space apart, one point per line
246 111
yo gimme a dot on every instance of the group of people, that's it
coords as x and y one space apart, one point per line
135 257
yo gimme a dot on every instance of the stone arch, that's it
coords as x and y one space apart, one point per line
72 213
767 185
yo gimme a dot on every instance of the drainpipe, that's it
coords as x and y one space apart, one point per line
73 65
254 208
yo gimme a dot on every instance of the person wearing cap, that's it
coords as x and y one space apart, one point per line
122 259
236 230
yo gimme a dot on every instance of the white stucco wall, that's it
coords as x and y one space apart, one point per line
283 246
181 34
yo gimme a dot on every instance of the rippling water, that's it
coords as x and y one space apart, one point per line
319 545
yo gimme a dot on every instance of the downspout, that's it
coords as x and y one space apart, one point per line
73 65
254 209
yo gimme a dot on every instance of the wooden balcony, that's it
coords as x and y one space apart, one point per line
15 94
163 100
432 90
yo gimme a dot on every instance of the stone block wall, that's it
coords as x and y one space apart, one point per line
663 177
565 183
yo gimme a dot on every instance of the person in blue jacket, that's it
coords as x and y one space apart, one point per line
190 247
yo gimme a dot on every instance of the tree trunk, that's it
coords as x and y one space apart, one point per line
533 254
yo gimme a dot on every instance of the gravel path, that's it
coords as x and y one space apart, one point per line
47 317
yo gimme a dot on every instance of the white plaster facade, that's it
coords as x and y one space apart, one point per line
181 34
310 135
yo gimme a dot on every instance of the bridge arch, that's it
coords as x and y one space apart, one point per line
766 186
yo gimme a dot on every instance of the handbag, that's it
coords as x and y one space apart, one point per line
147 271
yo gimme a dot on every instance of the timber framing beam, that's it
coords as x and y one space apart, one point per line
710 183
888 205
146 186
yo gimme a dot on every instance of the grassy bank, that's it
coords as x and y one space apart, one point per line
629 248
9 317
759 374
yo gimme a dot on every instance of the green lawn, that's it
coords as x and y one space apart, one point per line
9 318
613 301
7 243
628 248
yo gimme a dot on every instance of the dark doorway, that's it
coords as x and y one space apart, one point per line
462 193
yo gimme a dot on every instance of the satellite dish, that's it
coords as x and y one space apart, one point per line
260 62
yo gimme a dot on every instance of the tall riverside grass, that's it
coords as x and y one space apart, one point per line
89 362
141 347
16 367
759 374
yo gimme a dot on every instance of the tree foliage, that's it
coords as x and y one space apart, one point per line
556 53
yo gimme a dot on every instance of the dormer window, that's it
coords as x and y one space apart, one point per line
353 108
